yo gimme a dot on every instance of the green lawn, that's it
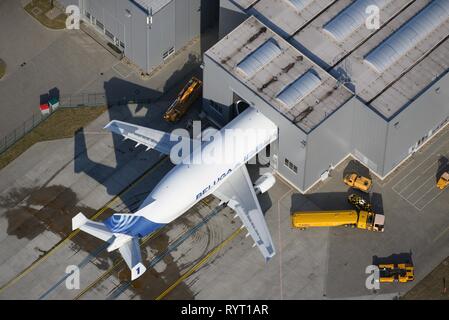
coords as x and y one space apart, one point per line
42 7
435 286
63 123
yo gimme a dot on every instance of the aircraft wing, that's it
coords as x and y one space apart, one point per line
238 191
151 138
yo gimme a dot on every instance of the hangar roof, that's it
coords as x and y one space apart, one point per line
387 68
281 75
287 16
408 36
389 82
335 33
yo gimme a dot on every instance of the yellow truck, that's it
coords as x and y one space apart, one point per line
188 95
402 272
363 217
350 218
443 182
358 182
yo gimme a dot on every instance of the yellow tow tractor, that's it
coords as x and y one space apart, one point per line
358 182
185 99
443 182
402 272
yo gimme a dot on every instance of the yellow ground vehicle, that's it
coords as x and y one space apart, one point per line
358 182
443 182
185 99
362 218
403 272
351 218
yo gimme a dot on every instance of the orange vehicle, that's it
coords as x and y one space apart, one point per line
403 272
358 182
443 182
184 101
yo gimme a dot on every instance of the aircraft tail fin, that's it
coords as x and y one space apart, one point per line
97 229
128 245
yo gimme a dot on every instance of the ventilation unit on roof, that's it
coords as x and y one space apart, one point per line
408 36
299 5
259 58
351 19
299 89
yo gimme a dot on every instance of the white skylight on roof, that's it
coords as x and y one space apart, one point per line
408 36
259 58
299 89
351 18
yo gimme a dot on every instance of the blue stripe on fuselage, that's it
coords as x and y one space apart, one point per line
135 226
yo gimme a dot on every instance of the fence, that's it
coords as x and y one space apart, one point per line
67 101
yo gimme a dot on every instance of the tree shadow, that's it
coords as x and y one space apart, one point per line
443 166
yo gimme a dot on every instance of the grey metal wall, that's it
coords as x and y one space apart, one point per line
328 144
368 138
130 30
425 114
161 36
214 78
187 21
172 27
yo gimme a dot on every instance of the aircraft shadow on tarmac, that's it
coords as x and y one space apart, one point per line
119 92
396 258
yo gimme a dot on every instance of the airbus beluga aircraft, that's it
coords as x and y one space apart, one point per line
189 182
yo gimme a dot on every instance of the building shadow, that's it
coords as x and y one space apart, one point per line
404 257
182 76
229 19
210 10
149 107
357 167
443 166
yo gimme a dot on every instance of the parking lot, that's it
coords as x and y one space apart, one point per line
53 181
417 186
68 62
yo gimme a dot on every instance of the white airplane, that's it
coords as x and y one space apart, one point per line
188 183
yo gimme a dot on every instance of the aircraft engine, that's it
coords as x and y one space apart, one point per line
264 183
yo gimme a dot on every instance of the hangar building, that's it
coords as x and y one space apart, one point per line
333 87
147 31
